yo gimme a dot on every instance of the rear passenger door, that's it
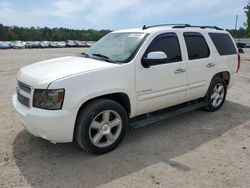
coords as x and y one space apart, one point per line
200 62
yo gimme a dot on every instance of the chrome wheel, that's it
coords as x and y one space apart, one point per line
105 128
218 94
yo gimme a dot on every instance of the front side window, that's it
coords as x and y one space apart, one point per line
117 47
196 46
167 43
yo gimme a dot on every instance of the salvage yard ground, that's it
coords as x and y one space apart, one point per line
196 149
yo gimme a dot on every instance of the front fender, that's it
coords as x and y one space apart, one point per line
87 86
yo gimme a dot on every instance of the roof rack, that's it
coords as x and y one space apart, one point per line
160 25
176 26
196 26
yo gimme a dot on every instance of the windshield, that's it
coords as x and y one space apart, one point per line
116 47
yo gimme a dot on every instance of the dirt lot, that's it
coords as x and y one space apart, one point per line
196 149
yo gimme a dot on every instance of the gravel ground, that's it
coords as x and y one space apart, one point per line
196 149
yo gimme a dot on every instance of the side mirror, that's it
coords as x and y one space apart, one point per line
154 58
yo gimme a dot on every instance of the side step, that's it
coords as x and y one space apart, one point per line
160 115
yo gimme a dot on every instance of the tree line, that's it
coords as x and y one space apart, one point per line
247 12
10 33
239 33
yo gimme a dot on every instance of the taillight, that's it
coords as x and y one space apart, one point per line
238 66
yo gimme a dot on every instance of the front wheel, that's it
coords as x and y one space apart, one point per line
101 126
216 95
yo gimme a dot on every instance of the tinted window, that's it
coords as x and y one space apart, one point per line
223 43
167 43
196 45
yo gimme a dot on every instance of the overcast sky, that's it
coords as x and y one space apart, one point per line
117 14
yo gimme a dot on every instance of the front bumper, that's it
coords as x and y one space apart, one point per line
56 126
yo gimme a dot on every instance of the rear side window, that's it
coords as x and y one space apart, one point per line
196 46
223 43
167 43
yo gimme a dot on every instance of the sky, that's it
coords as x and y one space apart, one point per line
120 14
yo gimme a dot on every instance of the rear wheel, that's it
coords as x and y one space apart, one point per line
216 95
101 126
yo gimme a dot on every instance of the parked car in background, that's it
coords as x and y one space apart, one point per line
53 44
11 44
28 44
32 44
44 44
70 43
241 45
4 45
80 43
90 43
36 44
19 44
61 44
77 43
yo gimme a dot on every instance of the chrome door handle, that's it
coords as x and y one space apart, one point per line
210 65
180 71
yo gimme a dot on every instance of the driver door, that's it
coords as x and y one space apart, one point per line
164 84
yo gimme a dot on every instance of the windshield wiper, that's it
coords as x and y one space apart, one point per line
85 55
106 58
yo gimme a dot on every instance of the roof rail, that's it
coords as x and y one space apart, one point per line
211 27
201 27
176 26
150 26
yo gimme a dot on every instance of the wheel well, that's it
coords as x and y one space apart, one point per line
225 76
120 98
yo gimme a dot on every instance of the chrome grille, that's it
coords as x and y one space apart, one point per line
24 87
24 100
23 93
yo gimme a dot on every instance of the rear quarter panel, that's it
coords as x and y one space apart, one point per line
227 63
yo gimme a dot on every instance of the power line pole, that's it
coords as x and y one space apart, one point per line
236 22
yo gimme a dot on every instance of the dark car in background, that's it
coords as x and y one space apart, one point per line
241 45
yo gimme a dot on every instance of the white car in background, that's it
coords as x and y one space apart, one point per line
90 43
61 44
44 44
18 44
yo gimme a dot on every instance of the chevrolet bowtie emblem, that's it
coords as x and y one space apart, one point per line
17 89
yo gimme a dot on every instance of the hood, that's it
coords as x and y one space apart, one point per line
40 75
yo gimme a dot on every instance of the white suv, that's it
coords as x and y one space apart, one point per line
128 73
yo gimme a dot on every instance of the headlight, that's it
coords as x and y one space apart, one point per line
50 99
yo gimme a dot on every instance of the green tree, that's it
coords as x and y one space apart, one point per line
55 34
247 11
240 33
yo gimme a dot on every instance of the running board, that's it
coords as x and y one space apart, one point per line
160 115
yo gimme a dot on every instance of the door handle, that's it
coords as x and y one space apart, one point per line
180 71
210 65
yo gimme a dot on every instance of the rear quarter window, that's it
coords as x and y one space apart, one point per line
223 43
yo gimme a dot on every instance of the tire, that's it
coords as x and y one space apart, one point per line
216 95
101 126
